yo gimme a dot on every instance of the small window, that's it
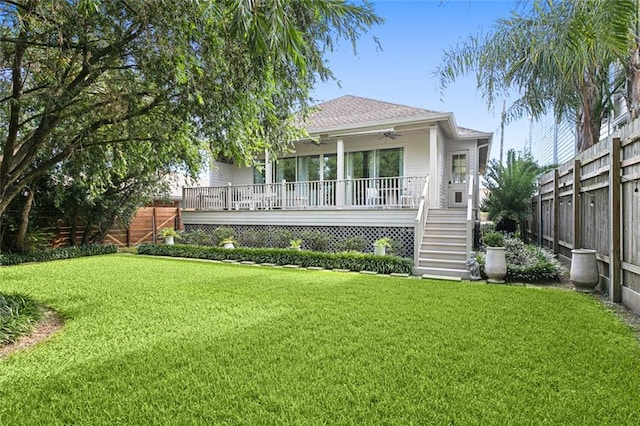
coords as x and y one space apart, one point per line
458 197
259 173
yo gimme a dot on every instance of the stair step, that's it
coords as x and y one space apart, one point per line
447 246
442 263
443 254
448 231
441 272
445 238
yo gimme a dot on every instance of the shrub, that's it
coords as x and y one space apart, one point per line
527 263
280 238
197 237
352 243
253 238
349 261
56 254
493 239
222 233
18 316
316 240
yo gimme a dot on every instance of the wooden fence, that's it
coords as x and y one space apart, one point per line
593 202
143 228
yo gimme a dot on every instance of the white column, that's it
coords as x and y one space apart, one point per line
268 176
340 173
434 195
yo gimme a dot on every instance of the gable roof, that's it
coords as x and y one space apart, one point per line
355 111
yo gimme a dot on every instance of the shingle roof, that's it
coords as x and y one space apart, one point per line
353 111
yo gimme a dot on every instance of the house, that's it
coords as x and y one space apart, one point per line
370 168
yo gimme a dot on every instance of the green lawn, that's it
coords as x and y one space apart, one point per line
163 341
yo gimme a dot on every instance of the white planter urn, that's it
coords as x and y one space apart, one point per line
228 245
379 250
584 270
495 265
168 240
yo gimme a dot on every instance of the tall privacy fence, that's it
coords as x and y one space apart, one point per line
593 202
143 228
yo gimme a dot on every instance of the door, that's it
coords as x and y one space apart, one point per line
458 166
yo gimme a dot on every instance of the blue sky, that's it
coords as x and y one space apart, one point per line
413 38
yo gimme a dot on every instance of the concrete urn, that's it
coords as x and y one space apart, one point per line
495 264
168 240
584 270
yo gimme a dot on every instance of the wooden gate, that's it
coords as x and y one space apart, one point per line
144 226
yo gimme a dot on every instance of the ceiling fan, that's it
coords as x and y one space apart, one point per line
391 135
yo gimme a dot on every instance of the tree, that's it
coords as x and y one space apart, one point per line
84 75
511 187
557 55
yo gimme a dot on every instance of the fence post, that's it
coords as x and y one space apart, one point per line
615 285
556 210
577 237
540 226
153 225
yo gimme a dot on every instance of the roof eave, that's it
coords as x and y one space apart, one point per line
374 125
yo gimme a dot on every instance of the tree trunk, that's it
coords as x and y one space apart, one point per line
73 229
21 238
86 236
633 83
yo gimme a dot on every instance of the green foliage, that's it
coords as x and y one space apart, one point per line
556 56
350 261
222 233
511 187
169 232
122 84
56 254
356 243
18 316
493 239
253 239
383 242
280 238
198 237
527 263
316 240
295 244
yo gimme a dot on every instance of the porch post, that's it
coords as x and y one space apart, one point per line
340 173
434 195
268 177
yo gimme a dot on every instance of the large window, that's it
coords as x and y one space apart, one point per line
375 163
307 168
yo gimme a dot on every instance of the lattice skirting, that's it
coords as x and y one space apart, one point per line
402 236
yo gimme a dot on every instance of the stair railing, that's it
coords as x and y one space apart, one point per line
421 219
470 218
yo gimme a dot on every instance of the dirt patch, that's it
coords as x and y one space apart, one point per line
46 327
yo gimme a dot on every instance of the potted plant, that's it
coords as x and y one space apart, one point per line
495 265
228 243
295 244
380 246
168 235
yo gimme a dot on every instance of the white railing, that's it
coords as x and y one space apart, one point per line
421 220
470 218
388 192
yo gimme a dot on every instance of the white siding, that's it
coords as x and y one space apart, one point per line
221 174
442 168
350 217
415 144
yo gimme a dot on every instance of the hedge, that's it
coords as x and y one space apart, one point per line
349 261
56 254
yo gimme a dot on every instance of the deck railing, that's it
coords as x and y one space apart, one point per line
388 192
421 221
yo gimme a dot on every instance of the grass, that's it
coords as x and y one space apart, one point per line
163 341
18 316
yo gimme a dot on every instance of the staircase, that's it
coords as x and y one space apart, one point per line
443 252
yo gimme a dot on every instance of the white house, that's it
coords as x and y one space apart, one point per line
370 168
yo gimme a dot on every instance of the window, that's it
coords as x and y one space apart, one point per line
259 172
375 163
459 168
286 169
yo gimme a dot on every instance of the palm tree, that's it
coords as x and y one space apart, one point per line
511 187
557 55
